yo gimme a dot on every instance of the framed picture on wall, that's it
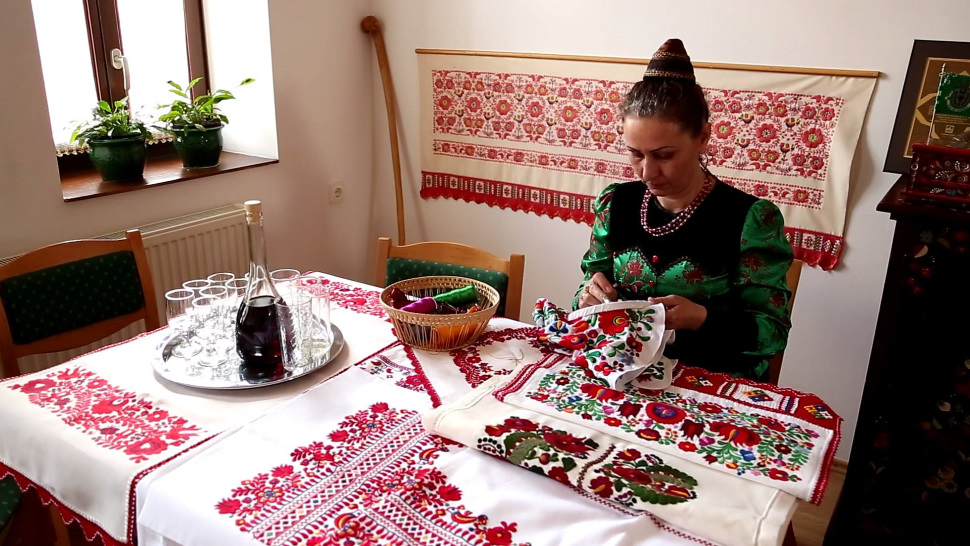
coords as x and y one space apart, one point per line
915 111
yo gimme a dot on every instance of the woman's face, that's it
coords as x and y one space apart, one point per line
663 155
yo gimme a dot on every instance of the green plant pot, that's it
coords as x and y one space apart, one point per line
119 159
198 148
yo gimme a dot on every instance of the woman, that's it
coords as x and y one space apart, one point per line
714 256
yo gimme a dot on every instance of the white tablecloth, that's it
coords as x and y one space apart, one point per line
87 431
213 480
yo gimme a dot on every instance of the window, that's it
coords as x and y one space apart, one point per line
79 41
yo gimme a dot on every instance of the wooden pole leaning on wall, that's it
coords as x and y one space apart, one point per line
370 25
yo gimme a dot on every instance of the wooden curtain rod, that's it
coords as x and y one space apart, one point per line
624 60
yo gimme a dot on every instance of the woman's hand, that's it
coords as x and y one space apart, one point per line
681 313
597 290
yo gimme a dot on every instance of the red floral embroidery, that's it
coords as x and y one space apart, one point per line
566 442
582 115
614 322
354 298
398 494
114 418
735 434
401 375
475 369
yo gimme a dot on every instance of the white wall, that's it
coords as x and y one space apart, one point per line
321 76
835 315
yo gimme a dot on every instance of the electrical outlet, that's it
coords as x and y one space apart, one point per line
336 192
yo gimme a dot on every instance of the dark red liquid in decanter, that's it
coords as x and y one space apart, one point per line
258 340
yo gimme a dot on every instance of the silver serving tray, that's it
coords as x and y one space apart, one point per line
230 375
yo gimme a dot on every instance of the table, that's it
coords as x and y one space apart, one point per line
338 457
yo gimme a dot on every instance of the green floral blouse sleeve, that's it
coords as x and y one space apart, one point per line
599 257
759 323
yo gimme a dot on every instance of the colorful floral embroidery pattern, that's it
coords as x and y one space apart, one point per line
610 345
476 370
113 417
631 475
373 483
777 133
746 443
625 479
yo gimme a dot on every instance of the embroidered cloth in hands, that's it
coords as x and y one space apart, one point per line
615 342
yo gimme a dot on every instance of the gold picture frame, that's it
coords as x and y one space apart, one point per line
915 112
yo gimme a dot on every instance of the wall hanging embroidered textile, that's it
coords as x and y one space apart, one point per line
543 136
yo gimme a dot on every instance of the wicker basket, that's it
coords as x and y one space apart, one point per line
440 332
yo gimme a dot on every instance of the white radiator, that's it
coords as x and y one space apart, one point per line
179 249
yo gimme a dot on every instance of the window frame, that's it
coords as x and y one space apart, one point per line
78 178
104 35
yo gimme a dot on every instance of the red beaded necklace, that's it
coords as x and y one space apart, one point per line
681 218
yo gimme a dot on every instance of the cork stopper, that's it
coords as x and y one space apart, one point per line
254 209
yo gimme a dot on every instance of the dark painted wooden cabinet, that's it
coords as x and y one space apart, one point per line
908 480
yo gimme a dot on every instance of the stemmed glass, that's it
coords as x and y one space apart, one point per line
178 305
221 321
196 284
208 314
236 292
220 279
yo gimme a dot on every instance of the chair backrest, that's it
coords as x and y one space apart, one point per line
794 273
396 263
71 294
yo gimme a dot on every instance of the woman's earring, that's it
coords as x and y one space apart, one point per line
702 159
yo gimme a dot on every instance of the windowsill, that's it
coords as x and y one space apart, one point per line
85 184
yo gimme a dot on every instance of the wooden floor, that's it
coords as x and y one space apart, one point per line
810 521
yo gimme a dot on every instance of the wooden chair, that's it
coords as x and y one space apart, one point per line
396 263
99 288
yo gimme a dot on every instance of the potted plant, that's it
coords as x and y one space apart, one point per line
197 124
116 141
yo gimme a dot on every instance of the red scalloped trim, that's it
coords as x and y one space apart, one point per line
90 530
812 247
538 201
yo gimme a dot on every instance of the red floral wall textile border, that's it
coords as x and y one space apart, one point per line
543 136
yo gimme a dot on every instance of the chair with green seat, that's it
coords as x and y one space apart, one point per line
397 263
62 297
9 497
68 295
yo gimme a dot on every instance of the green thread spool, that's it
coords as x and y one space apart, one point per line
458 296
